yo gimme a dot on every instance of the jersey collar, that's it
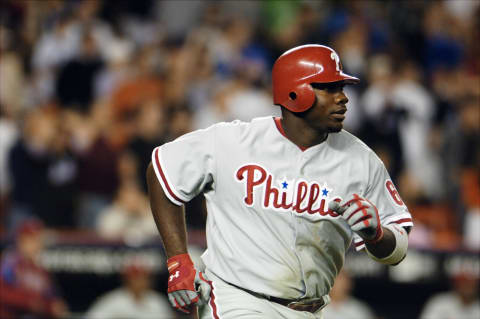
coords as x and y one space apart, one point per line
278 124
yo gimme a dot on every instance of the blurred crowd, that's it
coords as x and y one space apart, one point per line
89 88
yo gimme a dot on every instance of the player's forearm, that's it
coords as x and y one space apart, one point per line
169 218
385 246
392 248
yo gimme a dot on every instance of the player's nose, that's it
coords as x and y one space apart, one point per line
341 98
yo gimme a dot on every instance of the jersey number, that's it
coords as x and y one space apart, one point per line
335 57
394 193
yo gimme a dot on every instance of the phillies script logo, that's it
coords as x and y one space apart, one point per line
299 196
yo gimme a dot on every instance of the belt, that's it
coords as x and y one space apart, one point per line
309 305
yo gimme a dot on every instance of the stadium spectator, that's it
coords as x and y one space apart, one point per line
42 168
91 137
343 305
75 81
128 217
460 303
134 299
381 117
26 288
415 105
151 125
241 98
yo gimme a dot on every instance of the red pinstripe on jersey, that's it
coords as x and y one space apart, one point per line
164 179
212 302
403 220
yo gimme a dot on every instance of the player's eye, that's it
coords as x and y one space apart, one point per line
329 87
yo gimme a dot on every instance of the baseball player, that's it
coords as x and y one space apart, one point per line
285 199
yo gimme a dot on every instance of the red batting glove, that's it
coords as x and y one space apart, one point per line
182 282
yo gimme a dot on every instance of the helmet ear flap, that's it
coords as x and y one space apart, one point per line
301 99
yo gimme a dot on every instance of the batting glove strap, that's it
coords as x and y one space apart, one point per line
401 246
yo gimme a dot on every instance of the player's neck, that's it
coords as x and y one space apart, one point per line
299 133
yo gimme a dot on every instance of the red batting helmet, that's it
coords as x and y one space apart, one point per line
296 69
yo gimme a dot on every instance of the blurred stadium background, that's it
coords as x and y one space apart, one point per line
88 88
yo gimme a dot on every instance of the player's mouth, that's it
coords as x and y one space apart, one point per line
339 115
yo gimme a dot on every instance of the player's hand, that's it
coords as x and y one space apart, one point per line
362 216
186 285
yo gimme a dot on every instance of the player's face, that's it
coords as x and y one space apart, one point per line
328 111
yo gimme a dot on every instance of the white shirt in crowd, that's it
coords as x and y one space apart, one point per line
449 306
119 303
349 309
115 222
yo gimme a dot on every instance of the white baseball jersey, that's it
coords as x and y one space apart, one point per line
269 229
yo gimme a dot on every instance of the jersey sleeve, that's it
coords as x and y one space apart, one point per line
186 166
382 192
